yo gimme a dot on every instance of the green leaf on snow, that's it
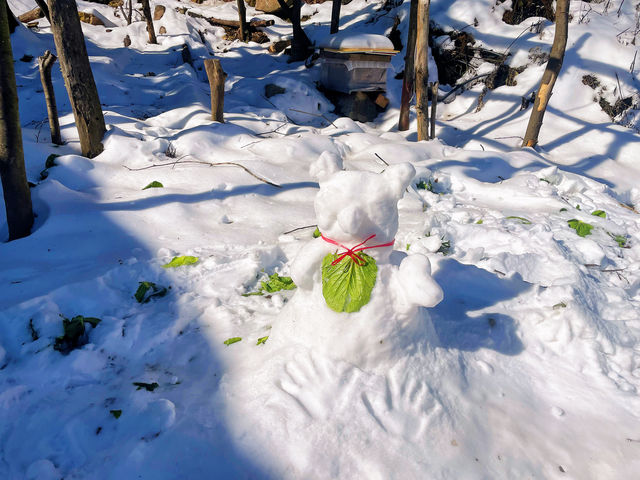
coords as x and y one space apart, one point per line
232 340
74 333
116 413
582 228
180 261
599 213
316 233
277 283
347 286
621 240
154 184
149 387
262 340
523 220
147 290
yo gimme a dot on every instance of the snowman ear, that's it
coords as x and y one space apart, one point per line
326 165
398 177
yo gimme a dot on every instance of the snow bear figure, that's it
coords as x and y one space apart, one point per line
352 206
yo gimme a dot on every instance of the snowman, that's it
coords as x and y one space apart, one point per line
358 300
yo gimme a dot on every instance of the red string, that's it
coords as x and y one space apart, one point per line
353 252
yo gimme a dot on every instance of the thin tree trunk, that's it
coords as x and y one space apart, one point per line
301 43
13 23
422 69
242 17
146 11
216 75
45 9
17 197
434 107
335 16
550 74
78 78
45 63
409 69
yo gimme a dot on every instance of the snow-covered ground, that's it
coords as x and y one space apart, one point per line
529 367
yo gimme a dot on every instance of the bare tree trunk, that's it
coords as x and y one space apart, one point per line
45 9
301 43
216 76
13 23
242 17
45 63
422 69
17 197
335 16
434 107
550 74
409 69
78 78
146 11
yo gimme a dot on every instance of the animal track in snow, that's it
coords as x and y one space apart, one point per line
405 410
318 385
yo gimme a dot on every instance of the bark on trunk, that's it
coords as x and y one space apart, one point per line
242 18
17 197
45 63
550 74
216 75
45 9
335 16
78 78
434 107
301 43
422 69
409 66
13 23
146 11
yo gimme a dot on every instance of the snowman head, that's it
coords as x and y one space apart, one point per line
353 205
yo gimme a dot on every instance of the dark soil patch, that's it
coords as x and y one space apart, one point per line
453 63
621 105
523 9
503 75
591 81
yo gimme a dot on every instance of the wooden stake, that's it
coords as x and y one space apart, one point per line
242 17
550 74
77 74
216 77
409 69
434 107
146 10
335 16
422 69
45 63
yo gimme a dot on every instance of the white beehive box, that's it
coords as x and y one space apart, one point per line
355 63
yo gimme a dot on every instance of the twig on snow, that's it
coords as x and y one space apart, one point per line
299 228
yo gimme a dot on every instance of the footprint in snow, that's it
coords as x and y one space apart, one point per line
319 386
405 410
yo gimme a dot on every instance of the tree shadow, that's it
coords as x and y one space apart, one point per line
468 289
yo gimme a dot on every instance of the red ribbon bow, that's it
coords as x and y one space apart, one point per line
353 252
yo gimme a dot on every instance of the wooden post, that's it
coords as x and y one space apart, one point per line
422 69
434 107
242 16
550 74
146 11
216 77
409 69
11 19
45 9
78 78
17 197
45 63
335 16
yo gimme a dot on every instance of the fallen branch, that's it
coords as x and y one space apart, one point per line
313 115
219 22
210 164
299 228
